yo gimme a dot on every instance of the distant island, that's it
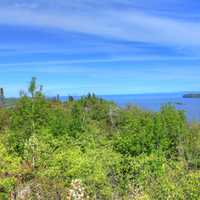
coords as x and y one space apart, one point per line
191 95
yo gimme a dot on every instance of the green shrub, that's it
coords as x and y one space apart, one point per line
49 147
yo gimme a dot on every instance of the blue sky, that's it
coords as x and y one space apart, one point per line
106 47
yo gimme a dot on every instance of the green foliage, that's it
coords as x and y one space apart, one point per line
32 87
144 132
9 169
59 121
115 153
4 119
135 132
30 114
192 146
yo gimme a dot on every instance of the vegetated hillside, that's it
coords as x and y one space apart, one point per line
92 149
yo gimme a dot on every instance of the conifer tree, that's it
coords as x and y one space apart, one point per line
2 99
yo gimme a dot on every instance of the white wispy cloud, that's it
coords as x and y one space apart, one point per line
26 5
118 23
149 72
100 60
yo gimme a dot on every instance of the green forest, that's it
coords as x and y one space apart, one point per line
92 149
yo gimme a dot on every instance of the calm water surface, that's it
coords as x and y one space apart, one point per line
153 102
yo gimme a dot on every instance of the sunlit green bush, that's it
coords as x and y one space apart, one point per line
48 146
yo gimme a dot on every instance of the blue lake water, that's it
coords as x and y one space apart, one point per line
153 102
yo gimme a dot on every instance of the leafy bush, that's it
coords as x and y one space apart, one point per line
50 149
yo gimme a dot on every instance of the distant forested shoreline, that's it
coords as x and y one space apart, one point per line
191 95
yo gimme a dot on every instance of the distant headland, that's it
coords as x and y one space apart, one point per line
191 95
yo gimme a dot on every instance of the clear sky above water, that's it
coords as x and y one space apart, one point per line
106 47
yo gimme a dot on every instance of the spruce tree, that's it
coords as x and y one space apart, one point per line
2 99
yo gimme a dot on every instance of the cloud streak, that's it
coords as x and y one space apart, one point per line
104 60
131 25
